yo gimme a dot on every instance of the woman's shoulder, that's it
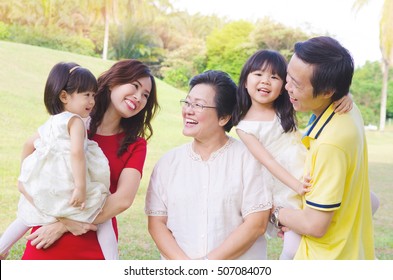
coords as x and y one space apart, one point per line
140 141
116 138
238 150
175 153
140 145
236 144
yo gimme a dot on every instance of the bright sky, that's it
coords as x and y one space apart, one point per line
358 32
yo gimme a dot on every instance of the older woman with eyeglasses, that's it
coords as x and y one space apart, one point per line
206 199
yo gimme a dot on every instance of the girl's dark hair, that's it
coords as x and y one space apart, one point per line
333 65
225 89
69 77
125 72
266 60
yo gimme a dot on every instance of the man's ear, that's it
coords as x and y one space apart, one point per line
328 94
63 96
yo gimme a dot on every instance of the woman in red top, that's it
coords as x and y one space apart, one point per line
125 104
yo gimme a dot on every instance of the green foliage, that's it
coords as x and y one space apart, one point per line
134 40
4 32
51 37
276 36
366 91
229 47
226 47
96 35
389 102
178 77
183 63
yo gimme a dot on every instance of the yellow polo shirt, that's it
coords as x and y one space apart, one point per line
337 161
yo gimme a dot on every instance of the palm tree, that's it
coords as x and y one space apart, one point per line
136 9
104 10
386 46
107 4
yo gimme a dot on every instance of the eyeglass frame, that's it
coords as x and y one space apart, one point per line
195 106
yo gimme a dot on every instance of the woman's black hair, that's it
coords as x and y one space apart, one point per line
225 89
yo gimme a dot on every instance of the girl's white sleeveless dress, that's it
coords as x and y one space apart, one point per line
47 176
288 150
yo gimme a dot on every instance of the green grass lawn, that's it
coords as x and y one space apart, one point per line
22 78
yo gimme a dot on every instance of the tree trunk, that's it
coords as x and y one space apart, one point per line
106 35
384 94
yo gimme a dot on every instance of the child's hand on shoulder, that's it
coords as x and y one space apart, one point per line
304 186
343 105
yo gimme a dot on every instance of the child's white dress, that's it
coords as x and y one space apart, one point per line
287 150
47 176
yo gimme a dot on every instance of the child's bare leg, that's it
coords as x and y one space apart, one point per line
12 234
290 246
374 202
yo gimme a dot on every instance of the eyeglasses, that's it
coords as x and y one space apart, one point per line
195 106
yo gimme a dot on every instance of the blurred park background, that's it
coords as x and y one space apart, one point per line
36 34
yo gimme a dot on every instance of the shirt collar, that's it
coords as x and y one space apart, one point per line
213 155
316 125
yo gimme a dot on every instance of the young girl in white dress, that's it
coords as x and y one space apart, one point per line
265 121
67 175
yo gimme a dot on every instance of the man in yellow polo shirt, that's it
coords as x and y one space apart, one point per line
336 219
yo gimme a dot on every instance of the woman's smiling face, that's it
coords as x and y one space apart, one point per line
201 124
